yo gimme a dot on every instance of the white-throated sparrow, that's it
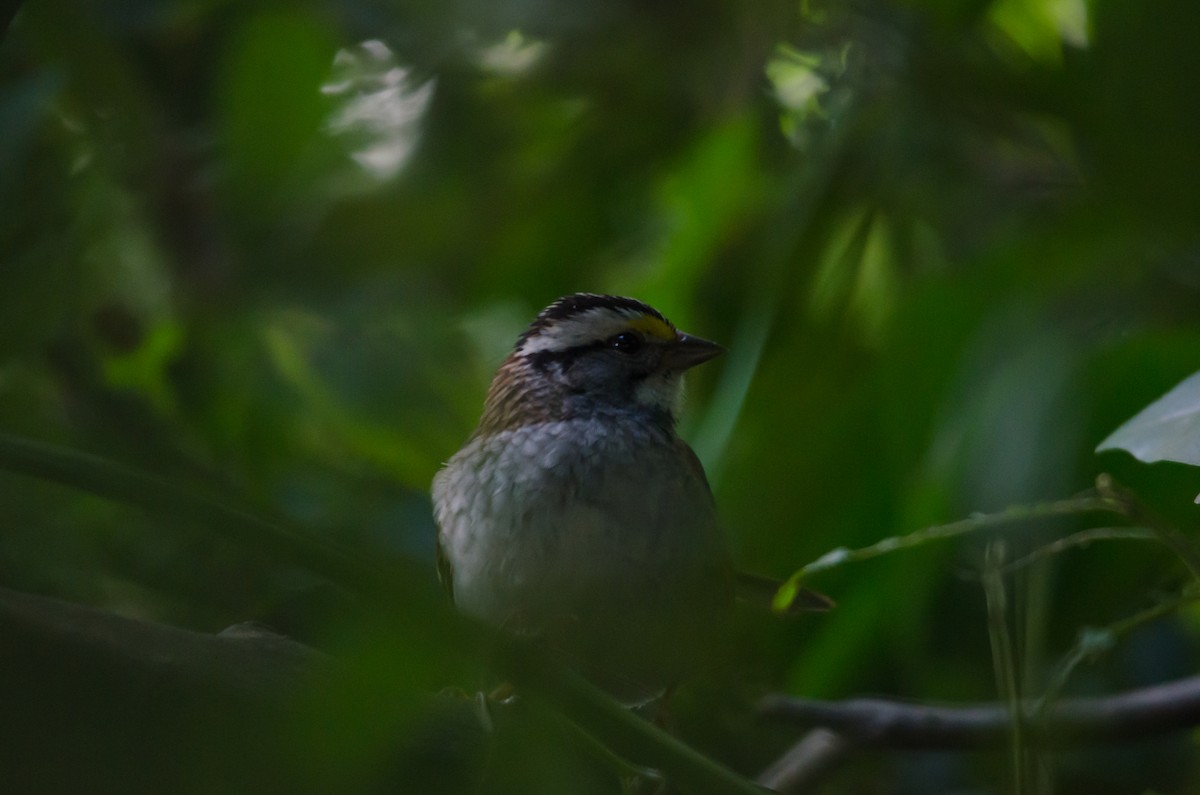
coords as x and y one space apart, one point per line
575 513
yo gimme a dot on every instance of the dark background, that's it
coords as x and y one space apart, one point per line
274 251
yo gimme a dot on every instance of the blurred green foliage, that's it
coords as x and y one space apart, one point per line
273 252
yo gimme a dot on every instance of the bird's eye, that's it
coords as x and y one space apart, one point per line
626 342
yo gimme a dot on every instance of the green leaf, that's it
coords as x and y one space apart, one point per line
271 103
1166 430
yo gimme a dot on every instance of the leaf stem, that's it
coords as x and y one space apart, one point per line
1093 642
1087 502
1003 657
1124 502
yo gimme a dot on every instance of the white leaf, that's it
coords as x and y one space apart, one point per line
1166 430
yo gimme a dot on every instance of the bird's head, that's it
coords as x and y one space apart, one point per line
594 354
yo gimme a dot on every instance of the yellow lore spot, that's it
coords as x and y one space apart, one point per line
652 327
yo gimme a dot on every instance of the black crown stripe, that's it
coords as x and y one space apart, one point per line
571 305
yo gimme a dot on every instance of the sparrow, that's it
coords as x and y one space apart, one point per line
576 515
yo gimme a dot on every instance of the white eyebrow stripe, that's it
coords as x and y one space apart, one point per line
583 328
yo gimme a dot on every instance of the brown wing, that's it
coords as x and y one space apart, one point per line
697 469
752 588
445 571
728 581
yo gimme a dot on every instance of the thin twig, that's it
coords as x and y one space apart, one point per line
806 762
627 735
1126 503
1083 538
1093 641
1087 502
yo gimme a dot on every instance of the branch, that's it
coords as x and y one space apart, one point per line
389 581
96 702
238 662
881 723
394 592
806 762
76 679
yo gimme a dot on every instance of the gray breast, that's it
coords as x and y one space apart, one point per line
569 518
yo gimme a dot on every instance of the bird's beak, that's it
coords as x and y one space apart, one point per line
688 351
